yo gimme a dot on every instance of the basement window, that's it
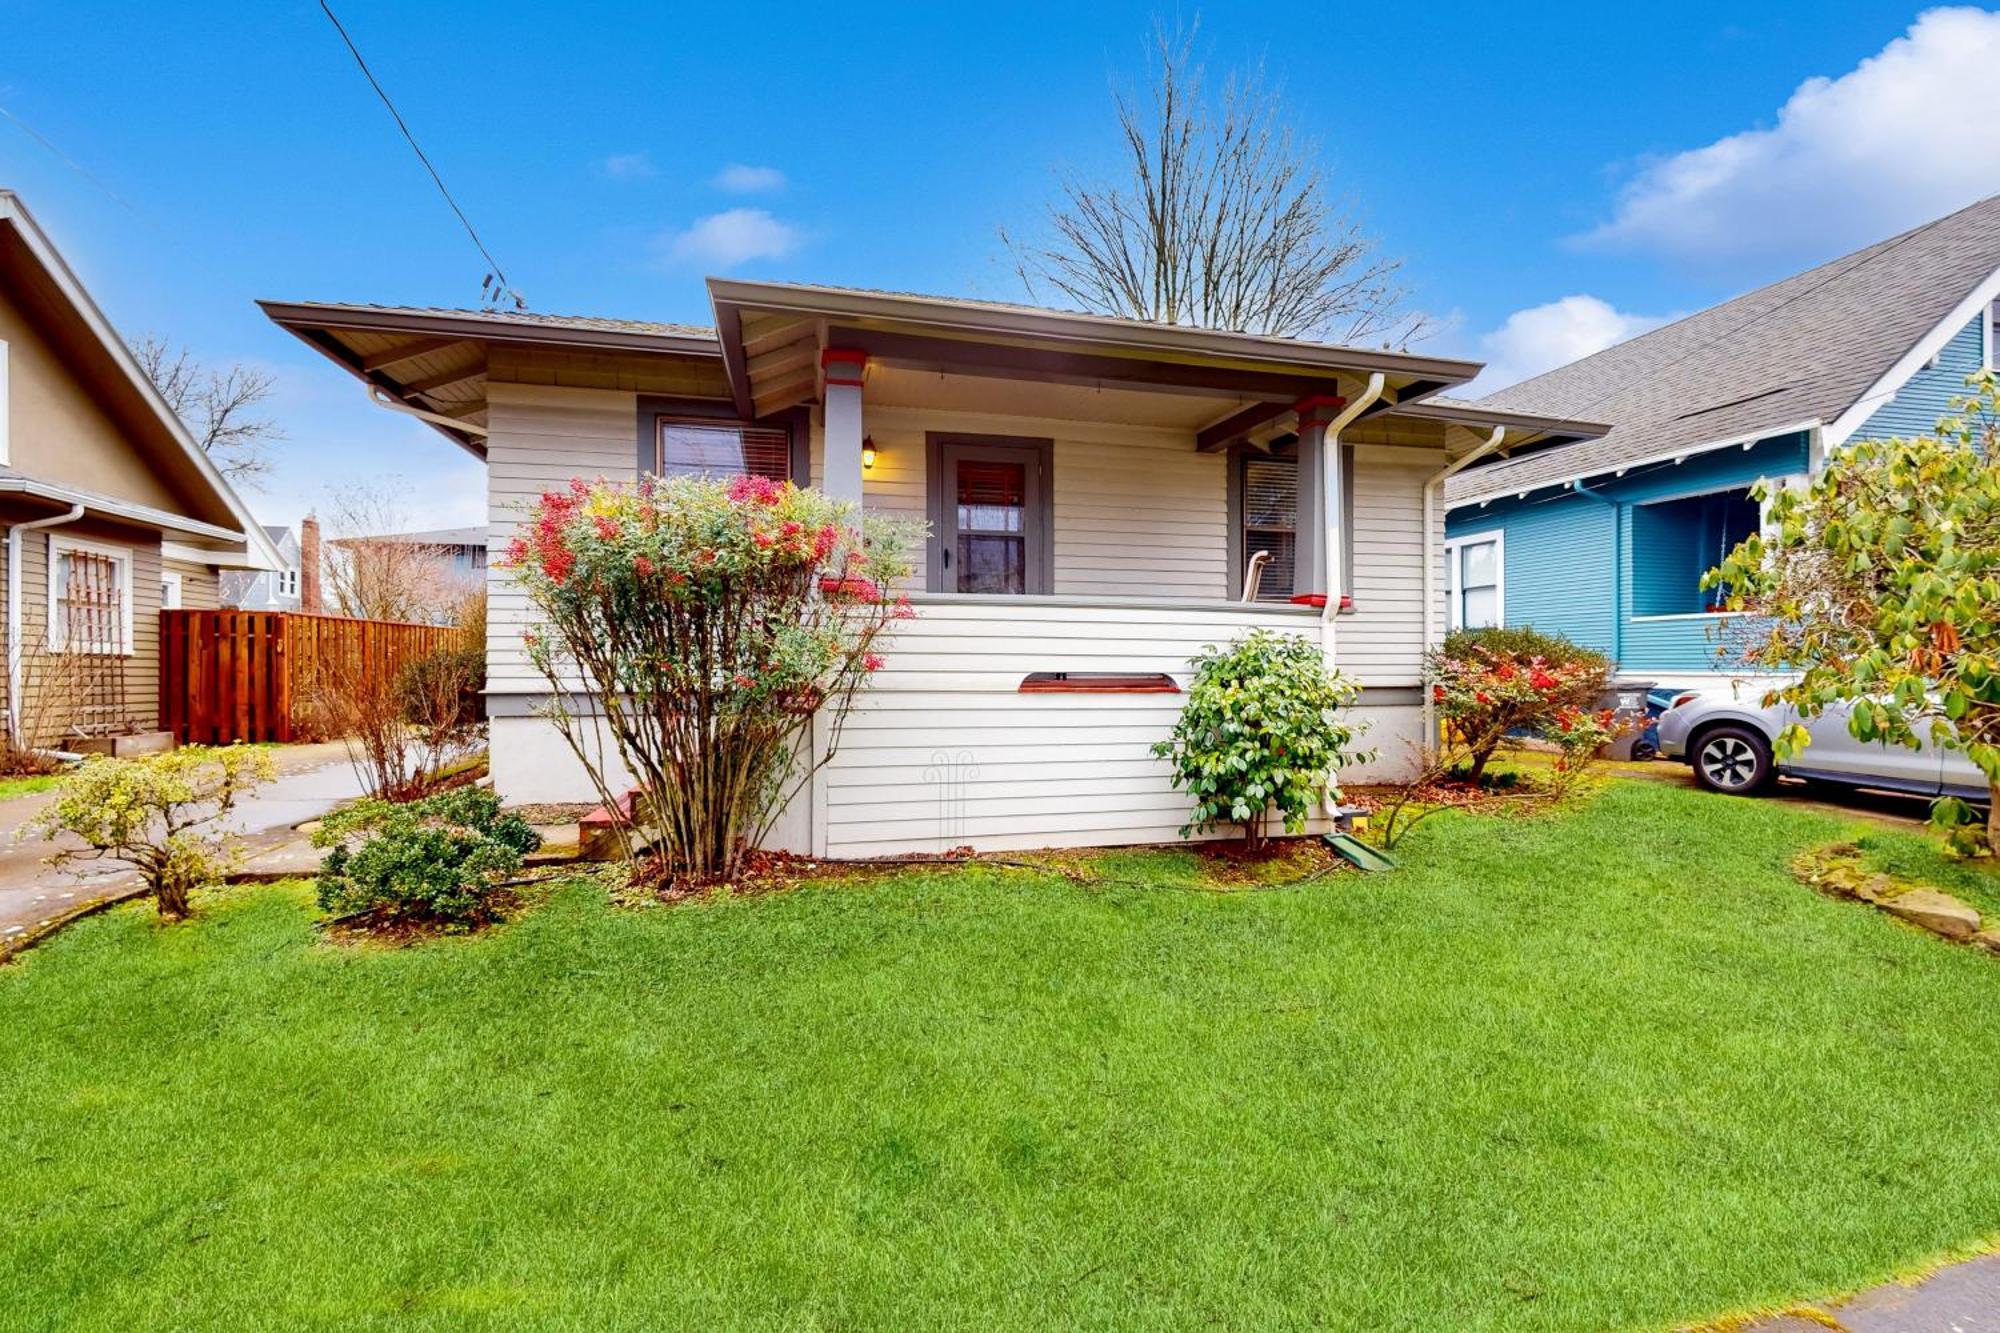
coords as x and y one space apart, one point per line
1098 682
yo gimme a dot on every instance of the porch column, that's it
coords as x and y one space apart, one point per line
841 465
1313 572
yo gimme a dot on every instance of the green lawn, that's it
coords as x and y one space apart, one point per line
1614 1070
12 787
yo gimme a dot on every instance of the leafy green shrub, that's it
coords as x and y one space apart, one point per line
151 812
436 860
1489 682
1261 729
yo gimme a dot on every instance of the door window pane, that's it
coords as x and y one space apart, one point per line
992 526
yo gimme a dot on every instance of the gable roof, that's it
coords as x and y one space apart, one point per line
1816 349
164 429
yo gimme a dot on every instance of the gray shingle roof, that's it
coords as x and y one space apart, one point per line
532 317
1798 351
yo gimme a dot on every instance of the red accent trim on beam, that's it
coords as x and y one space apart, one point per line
844 365
1319 409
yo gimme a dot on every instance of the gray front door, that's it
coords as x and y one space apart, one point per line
989 530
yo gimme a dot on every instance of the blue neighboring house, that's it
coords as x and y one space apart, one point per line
1606 540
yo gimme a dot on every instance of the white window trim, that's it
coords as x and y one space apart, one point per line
1986 336
1454 616
170 590
121 556
6 455
288 582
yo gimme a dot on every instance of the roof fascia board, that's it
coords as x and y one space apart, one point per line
1100 330
144 515
73 291
369 320
1884 388
1670 456
1481 416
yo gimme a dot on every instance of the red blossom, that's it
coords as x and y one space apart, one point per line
764 540
642 567
871 662
750 489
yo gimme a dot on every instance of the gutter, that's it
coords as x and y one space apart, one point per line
14 612
1432 489
1617 508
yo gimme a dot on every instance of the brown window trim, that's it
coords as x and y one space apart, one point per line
655 408
1234 542
1098 682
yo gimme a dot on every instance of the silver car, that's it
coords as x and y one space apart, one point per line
1726 735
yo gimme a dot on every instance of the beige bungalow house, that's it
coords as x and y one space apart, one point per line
111 509
1105 497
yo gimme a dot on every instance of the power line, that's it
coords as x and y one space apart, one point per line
64 158
496 279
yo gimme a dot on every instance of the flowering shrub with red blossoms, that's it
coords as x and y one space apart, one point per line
1487 683
708 622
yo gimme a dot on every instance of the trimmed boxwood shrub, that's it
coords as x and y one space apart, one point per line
435 860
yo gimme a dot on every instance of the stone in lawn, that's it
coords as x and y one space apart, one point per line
1934 911
1988 940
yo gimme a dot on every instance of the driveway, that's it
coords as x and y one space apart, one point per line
311 780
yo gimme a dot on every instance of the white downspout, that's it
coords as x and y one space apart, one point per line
381 399
1336 522
1431 489
14 532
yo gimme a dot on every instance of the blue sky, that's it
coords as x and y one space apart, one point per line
1552 179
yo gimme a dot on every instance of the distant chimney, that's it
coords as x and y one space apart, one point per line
309 599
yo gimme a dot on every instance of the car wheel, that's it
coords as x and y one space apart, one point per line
1735 761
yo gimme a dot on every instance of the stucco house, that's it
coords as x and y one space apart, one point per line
111 509
1097 489
1606 540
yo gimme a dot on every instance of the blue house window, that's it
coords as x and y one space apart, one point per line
1475 580
1675 542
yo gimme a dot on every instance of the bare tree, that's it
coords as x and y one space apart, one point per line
219 407
1223 221
374 571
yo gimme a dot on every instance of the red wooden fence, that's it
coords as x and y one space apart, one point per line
251 675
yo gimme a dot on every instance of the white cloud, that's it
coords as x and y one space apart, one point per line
732 237
737 178
1543 337
629 166
1910 134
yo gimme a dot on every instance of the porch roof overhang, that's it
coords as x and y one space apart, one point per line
433 362
210 537
1525 431
775 336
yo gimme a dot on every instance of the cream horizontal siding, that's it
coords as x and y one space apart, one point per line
201 586
1137 510
943 750
1381 643
540 437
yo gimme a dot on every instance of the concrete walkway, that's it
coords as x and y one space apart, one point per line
311 780
1964 1298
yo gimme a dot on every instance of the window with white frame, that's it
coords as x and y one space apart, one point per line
288 583
170 591
1475 580
90 596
